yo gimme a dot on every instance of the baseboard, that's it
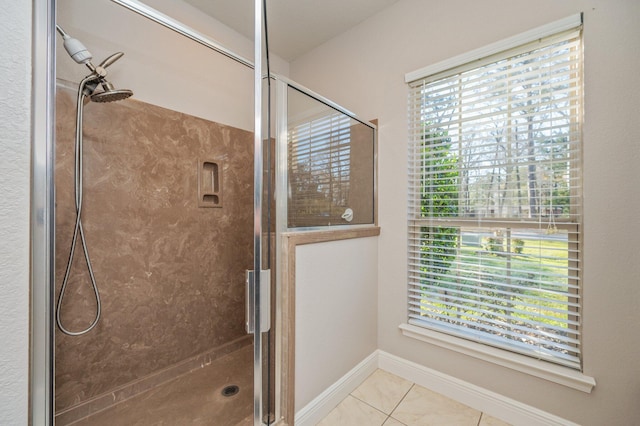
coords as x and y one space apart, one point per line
474 396
322 405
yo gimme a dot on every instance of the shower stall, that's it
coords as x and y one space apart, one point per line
165 303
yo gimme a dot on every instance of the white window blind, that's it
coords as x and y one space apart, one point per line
495 200
319 151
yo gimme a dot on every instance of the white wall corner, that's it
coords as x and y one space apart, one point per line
471 395
322 405
474 396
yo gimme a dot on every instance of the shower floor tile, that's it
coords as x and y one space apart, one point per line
193 399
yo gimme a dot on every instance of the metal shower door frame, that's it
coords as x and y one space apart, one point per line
41 368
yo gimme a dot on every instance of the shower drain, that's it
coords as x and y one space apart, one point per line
230 390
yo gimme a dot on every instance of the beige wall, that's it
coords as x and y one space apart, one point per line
374 58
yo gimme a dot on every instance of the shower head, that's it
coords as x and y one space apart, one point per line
81 55
111 95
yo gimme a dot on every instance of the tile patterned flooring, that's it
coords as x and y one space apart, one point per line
386 399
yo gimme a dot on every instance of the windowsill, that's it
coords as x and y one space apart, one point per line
524 364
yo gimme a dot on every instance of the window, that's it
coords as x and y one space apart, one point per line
495 200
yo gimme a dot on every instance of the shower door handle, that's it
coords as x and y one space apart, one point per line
265 298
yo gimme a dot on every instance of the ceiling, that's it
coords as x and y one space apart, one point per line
295 26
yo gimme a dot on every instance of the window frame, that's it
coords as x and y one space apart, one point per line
519 362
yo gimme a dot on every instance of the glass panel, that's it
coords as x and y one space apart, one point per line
331 160
168 218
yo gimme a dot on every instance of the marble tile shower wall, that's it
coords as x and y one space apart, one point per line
170 274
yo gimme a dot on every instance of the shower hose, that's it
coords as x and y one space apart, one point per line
78 230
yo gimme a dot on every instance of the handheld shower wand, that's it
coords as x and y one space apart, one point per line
81 55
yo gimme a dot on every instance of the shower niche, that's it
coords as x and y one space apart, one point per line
210 183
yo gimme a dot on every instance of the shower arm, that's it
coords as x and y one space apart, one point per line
81 55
